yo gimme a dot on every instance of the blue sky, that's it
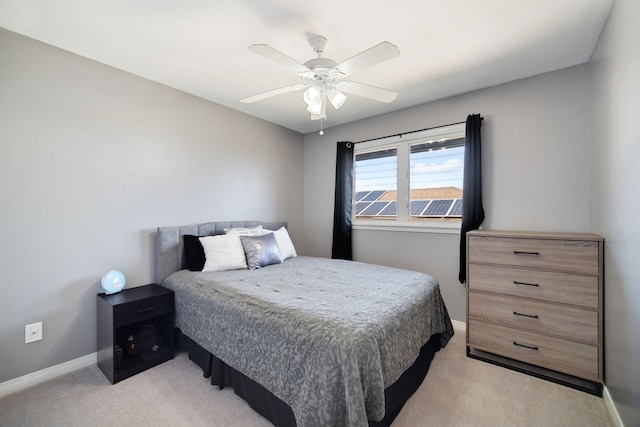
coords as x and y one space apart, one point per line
429 169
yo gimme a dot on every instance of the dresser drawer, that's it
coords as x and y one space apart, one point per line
569 288
576 256
569 357
137 311
571 323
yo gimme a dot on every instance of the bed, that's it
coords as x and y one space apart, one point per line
308 341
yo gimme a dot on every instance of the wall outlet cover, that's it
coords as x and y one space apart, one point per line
32 332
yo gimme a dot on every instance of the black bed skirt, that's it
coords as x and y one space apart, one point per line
278 412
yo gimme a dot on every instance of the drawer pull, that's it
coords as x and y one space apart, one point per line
526 253
524 283
533 316
526 346
145 310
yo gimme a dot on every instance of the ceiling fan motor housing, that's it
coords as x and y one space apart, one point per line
324 71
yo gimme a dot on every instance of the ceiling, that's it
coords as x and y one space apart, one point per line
200 46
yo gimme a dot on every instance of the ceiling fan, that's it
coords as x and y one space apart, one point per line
322 77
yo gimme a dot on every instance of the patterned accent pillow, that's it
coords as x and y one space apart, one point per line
261 250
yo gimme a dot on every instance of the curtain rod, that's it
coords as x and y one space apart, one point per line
413 131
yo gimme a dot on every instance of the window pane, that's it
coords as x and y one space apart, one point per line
436 173
376 184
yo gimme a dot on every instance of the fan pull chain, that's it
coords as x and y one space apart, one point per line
321 131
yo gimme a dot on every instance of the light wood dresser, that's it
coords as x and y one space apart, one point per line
535 304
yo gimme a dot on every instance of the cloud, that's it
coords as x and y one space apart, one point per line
451 165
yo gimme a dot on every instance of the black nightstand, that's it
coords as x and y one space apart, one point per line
125 313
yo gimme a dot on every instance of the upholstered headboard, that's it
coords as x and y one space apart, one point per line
169 243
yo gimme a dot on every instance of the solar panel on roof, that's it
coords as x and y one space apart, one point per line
438 207
456 209
373 195
360 206
361 194
417 206
365 196
390 210
374 208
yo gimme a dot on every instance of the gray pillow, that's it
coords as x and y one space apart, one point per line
261 250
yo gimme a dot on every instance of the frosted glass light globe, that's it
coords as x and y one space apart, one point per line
113 282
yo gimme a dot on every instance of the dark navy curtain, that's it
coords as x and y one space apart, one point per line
472 211
341 248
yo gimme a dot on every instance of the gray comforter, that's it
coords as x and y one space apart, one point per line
325 336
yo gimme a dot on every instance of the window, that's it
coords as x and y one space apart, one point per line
376 184
413 179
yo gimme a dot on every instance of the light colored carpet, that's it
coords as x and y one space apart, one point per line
458 391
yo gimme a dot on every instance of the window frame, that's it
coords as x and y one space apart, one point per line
402 143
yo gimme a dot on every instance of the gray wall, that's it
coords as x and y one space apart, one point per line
92 160
535 171
615 198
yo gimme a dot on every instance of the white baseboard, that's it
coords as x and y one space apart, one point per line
611 408
43 375
459 326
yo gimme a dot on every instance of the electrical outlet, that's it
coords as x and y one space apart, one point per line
32 332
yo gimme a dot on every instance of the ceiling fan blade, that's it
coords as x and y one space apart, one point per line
368 91
279 57
270 93
372 56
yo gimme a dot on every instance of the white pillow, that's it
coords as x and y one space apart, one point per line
223 252
285 245
255 231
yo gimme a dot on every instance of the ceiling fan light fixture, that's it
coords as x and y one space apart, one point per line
315 108
318 112
312 96
336 98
